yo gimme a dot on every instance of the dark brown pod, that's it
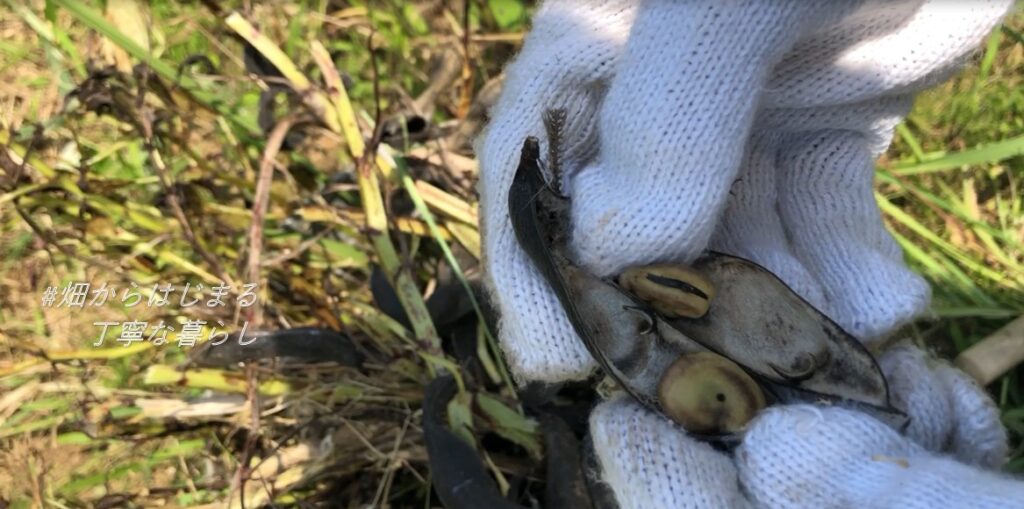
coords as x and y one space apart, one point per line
709 394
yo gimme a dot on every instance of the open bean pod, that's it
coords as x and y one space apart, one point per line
707 345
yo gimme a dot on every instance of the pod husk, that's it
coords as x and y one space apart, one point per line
794 351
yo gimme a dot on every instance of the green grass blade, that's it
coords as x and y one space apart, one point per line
989 153
421 207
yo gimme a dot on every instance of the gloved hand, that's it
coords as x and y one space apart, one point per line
804 456
750 127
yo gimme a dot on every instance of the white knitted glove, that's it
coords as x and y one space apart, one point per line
805 456
748 126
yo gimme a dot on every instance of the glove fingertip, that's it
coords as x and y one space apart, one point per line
535 335
650 462
915 388
978 437
541 347
618 221
809 456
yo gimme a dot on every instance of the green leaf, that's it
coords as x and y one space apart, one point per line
181 448
344 255
989 153
147 221
460 418
74 438
415 21
50 11
34 425
507 13
991 51
123 412
46 404
510 424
